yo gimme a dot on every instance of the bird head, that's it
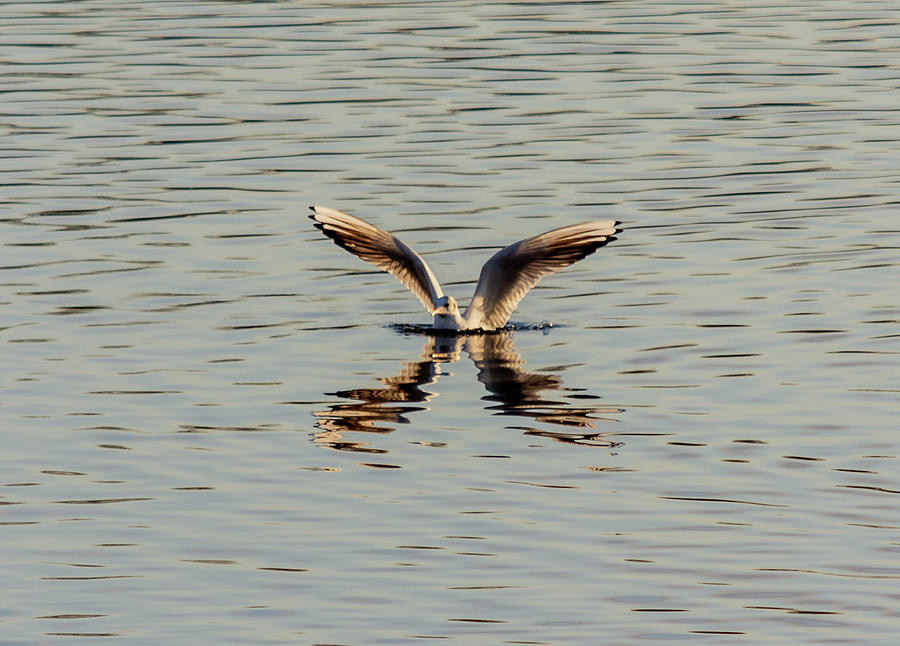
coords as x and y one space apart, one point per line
445 306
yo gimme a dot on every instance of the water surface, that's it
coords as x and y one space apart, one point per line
217 429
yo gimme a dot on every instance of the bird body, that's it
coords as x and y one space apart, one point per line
504 280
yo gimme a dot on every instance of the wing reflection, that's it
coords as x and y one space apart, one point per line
520 393
512 390
389 404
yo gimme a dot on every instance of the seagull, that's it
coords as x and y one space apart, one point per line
505 278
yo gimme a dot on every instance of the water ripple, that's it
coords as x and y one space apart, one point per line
169 328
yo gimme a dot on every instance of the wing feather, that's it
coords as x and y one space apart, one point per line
381 249
514 270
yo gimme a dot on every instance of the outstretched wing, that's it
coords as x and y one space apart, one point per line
382 250
514 270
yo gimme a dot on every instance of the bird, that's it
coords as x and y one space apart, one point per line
504 280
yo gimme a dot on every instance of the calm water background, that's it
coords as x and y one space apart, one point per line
212 434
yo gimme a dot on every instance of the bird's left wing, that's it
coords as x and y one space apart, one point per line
514 270
382 250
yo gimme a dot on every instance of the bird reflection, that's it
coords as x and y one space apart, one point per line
512 391
520 393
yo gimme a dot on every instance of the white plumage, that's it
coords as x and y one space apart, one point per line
505 278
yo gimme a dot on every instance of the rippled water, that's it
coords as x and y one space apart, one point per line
218 428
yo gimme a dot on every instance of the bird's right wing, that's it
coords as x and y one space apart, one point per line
514 270
382 250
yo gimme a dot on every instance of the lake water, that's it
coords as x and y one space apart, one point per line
217 430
